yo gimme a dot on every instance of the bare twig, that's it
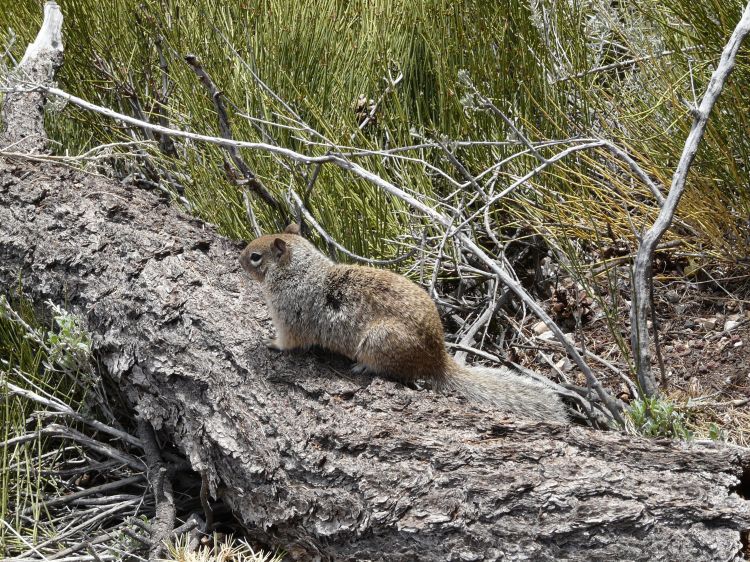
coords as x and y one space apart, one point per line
599 359
642 277
208 511
251 214
331 241
8 50
587 144
462 169
251 180
473 350
478 324
101 489
392 83
98 153
697 404
161 484
89 558
62 432
87 523
62 408
486 103
193 522
89 543
624 63
657 344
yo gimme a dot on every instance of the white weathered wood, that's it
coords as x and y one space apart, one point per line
49 37
642 277
23 109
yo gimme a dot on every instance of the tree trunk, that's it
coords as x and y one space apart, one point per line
321 463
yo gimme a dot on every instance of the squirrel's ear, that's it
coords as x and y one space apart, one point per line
293 228
279 247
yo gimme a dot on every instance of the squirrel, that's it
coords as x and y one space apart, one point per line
381 320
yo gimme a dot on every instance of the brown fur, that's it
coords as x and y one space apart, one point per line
381 320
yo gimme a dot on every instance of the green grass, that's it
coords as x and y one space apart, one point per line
533 60
224 549
23 466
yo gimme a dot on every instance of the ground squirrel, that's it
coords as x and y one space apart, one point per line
384 322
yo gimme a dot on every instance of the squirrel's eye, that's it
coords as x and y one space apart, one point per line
255 259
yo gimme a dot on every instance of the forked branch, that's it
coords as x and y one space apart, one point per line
642 277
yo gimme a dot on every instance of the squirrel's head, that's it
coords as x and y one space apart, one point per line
267 252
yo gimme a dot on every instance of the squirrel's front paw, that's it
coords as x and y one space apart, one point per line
273 343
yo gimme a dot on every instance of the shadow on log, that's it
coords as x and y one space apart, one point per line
322 464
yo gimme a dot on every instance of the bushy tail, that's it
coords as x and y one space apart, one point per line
507 390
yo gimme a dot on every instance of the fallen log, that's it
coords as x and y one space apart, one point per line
310 458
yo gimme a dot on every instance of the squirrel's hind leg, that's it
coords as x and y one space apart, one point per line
390 348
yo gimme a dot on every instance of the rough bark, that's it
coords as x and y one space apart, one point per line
24 112
319 462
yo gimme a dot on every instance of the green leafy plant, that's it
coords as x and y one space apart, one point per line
69 345
658 417
715 433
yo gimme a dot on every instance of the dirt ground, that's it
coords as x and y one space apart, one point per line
704 335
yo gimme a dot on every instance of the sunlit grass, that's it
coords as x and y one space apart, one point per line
22 480
224 549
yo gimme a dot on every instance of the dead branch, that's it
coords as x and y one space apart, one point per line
161 483
331 241
94 490
23 111
250 179
642 277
